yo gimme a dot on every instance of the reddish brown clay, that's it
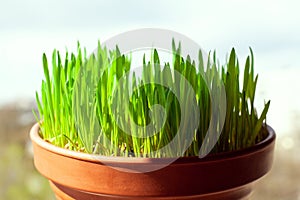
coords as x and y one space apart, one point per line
75 175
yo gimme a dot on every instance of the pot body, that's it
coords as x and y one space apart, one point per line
76 175
67 193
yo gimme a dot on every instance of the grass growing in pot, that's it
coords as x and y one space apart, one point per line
96 129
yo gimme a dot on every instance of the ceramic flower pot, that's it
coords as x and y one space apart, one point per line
229 175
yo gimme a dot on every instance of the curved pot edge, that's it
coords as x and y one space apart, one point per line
97 158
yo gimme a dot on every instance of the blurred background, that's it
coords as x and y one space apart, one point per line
30 28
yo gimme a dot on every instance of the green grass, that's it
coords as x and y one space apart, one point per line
95 105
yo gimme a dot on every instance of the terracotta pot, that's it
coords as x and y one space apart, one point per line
76 175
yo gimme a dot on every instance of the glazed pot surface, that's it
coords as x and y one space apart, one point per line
222 176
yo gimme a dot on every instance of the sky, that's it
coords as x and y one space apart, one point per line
270 27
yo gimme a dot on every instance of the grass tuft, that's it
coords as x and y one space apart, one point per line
91 104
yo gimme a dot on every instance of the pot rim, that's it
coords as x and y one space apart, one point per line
36 138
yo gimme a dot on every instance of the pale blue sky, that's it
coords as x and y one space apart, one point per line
29 28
